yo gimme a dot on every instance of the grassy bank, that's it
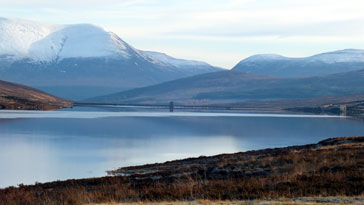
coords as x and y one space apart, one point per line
333 167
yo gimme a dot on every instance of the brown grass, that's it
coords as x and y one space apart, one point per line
19 97
334 167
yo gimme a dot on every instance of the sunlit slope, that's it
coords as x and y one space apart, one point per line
16 96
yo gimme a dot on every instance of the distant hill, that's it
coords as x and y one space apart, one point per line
321 64
235 86
299 102
19 97
82 60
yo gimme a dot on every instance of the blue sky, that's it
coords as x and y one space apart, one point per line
220 32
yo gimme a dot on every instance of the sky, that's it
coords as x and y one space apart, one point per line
220 32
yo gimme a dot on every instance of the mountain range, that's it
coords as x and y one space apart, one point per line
321 64
237 86
83 60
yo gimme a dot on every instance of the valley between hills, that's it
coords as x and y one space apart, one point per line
47 67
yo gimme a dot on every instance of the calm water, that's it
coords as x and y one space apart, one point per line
47 146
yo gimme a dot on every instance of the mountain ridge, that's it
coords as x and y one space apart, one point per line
236 86
319 64
87 58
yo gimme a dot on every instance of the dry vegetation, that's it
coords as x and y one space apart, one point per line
281 201
334 167
18 97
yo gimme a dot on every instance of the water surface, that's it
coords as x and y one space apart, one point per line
56 145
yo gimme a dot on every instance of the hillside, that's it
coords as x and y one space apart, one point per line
320 64
19 97
333 167
236 86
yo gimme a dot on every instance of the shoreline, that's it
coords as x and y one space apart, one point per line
332 167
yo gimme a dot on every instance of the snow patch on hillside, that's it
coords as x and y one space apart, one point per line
44 42
17 36
174 61
265 57
341 56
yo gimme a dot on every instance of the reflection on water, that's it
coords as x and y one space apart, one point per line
47 146
90 115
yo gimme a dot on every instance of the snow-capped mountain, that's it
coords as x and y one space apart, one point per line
341 56
321 64
40 42
51 57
